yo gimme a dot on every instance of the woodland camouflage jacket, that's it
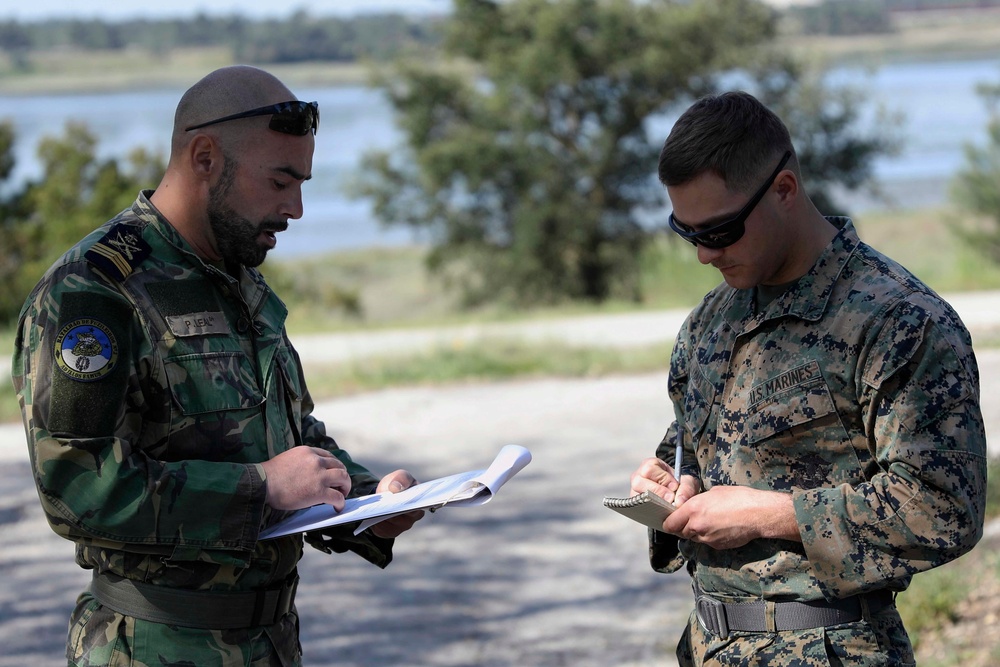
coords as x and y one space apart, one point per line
153 385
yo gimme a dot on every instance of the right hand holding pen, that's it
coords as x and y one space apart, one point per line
657 477
306 476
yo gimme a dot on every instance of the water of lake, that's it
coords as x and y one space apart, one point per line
941 114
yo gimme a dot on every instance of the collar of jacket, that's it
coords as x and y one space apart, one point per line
808 298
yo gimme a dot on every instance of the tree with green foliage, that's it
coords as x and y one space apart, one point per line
528 160
976 187
835 151
76 193
11 210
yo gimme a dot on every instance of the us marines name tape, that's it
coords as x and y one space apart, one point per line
790 378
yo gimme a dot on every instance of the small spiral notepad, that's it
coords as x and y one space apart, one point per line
647 508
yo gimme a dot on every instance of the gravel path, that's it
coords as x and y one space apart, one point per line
541 576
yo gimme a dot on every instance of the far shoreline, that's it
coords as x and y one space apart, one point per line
65 72
88 73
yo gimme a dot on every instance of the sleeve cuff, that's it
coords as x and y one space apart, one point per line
339 539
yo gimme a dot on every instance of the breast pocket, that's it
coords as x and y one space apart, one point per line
797 435
213 382
216 413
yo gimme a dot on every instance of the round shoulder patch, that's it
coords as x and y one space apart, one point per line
86 350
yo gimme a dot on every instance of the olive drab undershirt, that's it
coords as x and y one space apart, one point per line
857 392
153 386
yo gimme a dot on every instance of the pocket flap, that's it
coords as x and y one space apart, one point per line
794 397
213 382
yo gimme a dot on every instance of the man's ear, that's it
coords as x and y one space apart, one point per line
787 187
205 156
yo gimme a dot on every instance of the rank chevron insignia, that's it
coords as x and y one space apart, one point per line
119 251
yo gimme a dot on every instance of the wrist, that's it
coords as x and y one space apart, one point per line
780 522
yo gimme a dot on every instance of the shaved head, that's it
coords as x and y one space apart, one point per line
226 91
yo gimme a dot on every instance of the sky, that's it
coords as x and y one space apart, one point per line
36 10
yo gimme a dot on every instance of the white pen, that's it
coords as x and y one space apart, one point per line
679 454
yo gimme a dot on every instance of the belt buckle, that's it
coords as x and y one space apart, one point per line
712 616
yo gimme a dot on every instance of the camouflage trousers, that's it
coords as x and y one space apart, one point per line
878 641
100 636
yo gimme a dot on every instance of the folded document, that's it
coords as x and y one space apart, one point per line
474 487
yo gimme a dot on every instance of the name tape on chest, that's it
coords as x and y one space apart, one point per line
795 377
198 324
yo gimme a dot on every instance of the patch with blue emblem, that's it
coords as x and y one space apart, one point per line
86 350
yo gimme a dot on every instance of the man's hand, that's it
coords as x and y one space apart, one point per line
657 477
395 482
727 517
306 476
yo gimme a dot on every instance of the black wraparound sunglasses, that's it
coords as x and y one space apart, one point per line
287 117
730 231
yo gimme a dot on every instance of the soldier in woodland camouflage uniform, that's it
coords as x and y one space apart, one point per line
167 417
828 404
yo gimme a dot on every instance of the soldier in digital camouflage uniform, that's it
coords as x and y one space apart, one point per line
831 431
167 417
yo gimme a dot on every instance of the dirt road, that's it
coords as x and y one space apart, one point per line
542 575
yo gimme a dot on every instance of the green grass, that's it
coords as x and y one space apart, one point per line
485 361
932 603
932 600
69 71
923 241
993 490
917 36
362 289
390 288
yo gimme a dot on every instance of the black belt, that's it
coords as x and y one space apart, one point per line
194 609
721 618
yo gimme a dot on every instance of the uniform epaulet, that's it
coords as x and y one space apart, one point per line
119 251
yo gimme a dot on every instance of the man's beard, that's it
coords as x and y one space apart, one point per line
235 236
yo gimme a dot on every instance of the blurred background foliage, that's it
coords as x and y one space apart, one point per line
529 143
43 218
528 158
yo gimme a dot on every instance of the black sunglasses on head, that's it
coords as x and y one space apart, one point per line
730 231
287 117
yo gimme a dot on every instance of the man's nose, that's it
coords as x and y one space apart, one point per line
293 207
708 255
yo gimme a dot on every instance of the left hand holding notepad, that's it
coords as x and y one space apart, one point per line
647 508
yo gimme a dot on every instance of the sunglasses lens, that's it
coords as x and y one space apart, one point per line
729 234
720 236
297 120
